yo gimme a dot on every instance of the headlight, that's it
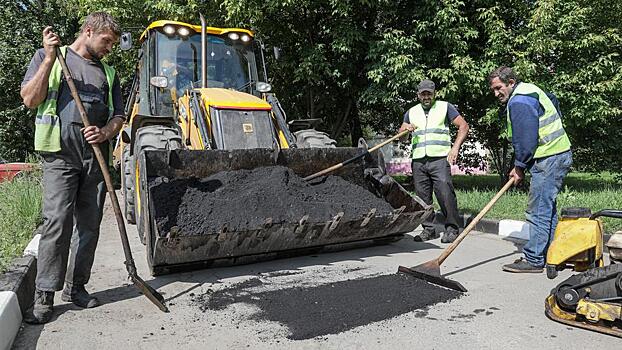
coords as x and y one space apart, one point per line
264 87
170 30
234 36
159 81
245 38
183 31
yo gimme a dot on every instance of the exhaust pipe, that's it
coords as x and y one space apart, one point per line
203 52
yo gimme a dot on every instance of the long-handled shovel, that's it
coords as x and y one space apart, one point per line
146 289
354 159
431 270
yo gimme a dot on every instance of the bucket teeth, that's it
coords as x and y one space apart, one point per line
368 217
301 224
396 214
335 221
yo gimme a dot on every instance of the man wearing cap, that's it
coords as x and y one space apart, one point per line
541 146
432 156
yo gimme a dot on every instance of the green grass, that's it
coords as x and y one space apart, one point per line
20 213
594 191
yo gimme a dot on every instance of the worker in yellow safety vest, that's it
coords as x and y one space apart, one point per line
432 156
73 184
541 145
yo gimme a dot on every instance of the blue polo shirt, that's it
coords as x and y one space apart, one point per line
525 112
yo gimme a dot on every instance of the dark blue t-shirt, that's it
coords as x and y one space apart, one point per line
452 113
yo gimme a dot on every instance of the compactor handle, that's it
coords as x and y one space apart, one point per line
610 213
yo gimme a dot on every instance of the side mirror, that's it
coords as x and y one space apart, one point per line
277 52
126 41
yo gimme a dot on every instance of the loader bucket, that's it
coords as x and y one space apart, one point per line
173 251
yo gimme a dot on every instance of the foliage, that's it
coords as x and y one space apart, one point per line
20 213
17 45
356 64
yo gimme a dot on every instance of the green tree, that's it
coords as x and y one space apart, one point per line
573 49
17 45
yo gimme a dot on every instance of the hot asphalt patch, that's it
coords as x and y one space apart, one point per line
331 308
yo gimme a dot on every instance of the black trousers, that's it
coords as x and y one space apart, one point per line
434 175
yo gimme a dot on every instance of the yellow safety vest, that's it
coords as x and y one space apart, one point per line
431 137
47 122
552 138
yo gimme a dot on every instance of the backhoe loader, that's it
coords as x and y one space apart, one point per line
200 104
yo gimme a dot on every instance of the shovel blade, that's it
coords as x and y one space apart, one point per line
431 272
148 291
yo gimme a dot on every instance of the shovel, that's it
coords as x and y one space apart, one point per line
354 159
146 289
431 270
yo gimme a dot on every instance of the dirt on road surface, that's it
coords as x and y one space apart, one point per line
257 306
243 200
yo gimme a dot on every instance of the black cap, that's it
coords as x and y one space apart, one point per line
426 85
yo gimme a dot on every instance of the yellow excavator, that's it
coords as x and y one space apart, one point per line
591 299
201 104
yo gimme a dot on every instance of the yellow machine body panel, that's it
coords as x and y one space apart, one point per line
190 131
231 99
222 99
595 311
195 28
574 238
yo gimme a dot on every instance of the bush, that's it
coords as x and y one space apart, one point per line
20 214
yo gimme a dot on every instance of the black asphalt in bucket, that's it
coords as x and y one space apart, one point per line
244 199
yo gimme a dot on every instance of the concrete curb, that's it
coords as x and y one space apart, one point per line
17 288
484 225
10 319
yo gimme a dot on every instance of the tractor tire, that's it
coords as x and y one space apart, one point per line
127 184
311 138
153 137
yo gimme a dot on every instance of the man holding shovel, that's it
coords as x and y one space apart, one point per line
541 146
432 156
74 190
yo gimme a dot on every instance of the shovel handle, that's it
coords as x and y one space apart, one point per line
474 222
337 166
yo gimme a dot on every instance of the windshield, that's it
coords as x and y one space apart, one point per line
230 64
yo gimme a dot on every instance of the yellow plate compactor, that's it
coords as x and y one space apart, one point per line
591 299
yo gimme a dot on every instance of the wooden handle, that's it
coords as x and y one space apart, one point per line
337 166
474 222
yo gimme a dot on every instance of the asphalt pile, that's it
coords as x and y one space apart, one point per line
243 199
309 312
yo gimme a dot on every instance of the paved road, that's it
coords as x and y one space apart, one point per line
500 311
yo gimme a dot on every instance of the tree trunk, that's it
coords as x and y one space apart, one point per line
356 131
342 121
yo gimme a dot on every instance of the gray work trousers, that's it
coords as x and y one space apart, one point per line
73 203
434 175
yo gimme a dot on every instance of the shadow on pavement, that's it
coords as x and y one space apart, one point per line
266 268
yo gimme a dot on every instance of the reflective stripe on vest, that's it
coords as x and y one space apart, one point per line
431 137
47 122
552 138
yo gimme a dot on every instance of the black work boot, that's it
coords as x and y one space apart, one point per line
426 235
42 309
76 294
521 266
449 236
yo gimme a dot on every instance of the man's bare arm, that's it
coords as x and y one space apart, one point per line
35 91
463 131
